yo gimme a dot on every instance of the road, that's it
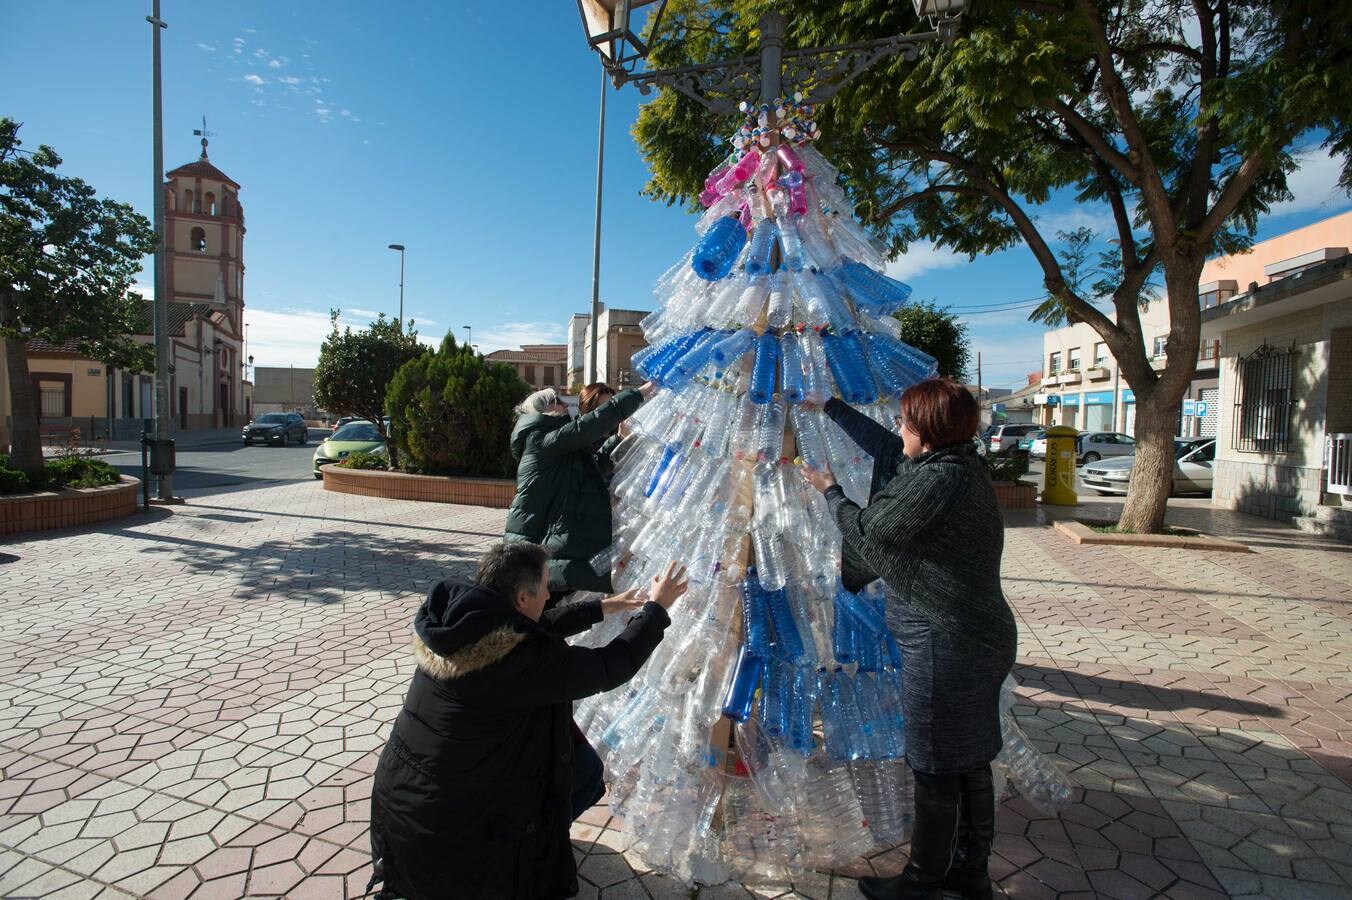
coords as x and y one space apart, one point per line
224 467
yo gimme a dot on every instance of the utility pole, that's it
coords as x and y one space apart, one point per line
980 395
161 305
596 236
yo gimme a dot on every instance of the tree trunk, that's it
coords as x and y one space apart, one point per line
1152 474
1157 404
25 446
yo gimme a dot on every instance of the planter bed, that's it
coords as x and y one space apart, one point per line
1081 531
67 508
493 492
1015 494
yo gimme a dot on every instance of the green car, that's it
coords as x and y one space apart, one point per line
357 435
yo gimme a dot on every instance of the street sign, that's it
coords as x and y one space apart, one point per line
1189 407
1200 408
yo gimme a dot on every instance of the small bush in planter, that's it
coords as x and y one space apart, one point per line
80 472
12 481
363 460
1007 468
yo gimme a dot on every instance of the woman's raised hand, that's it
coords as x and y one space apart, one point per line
668 587
821 479
647 389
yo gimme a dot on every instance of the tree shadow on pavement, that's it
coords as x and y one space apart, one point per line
1134 694
319 568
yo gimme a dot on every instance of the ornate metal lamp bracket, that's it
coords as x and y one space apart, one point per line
819 73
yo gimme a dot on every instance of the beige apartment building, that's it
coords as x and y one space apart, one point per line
539 365
618 337
1282 317
204 241
1082 386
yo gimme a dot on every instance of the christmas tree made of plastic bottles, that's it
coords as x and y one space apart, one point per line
780 305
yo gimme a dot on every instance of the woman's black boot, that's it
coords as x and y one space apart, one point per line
936 825
976 832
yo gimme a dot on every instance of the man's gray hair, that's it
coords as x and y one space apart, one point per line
538 402
512 566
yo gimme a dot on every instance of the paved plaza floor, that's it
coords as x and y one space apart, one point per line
191 704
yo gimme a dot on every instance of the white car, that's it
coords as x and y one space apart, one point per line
1091 446
1038 448
1192 469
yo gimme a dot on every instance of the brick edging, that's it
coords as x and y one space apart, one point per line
1080 533
466 490
1015 494
44 510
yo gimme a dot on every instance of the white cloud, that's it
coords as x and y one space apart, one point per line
511 335
289 79
922 257
238 44
255 80
210 48
288 337
361 313
1080 215
1314 185
275 64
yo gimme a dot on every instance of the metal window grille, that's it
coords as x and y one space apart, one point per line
1263 403
53 403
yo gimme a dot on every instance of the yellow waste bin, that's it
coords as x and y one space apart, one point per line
1058 486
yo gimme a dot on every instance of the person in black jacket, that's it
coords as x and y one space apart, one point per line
562 500
483 772
933 533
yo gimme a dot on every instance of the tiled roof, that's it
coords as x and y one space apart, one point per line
202 168
180 314
40 346
522 356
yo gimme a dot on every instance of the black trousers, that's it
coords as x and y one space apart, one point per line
954 828
588 776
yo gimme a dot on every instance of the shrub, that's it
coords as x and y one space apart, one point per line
12 481
79 472
451 412
74 471
1008 468
363 460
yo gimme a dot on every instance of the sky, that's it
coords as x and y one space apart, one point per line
465 131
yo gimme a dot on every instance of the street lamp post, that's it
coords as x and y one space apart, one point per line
162 458
400 248
469 336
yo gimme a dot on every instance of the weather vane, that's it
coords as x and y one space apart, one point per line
204 134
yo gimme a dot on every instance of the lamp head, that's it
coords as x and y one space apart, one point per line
399 247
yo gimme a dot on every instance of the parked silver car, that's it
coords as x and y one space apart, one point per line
1192 469
1091 446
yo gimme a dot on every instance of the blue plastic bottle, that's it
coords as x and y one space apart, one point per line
717 250
791 369
741 693
758 256
763 371
755 616
788 640
730 349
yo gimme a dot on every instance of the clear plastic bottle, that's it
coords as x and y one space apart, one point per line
769 558
744 434
770 430
817 384
732 348
780 310
791 383
886 796
751 303
758 259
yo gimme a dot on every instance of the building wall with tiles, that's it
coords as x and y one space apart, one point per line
1283 485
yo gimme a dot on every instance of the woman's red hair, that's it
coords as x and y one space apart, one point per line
941 411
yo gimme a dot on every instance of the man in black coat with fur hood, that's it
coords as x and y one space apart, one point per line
484 770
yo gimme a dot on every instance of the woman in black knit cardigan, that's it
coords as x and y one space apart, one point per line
933 533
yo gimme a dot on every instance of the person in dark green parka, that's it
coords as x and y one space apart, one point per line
562 502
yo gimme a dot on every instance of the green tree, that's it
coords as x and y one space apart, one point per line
452 412
67 263
939 333
356 367
1179 117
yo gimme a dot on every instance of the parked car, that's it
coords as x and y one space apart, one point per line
1091 446
276 428
1026 442
1004 439
358 435
1037 447
1192 469
343 420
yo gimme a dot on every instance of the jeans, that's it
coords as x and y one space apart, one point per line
588 783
